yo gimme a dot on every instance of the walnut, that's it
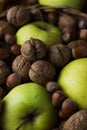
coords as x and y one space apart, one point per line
18 16
66 20
21 66
33 49
59 55
78 121
41 71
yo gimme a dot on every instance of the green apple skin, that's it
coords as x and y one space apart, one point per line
48 33
26 99
76 4
73 81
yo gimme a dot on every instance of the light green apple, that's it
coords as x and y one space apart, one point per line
73 81
28 107
76 4
48 33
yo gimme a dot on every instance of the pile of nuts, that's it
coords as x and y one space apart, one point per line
33 61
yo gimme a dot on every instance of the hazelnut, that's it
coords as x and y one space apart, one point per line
68 107
21 66
83 34
15 49
59 55
69 34
33 49
78 121
13 80
76 43
51 86
57 98
66 37
82 24
10 39
41 71
79 52
78 48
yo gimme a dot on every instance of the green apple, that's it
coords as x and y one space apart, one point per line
46 32
28 107
73 81
76 4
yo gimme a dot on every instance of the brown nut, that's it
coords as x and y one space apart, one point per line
10 39
18 16
41 71
13 80
79 52
51 86
82 24
68 107
76 43
78 121
4 72
69 34
21 66
33 49
83 34
59 55
57 98
15 49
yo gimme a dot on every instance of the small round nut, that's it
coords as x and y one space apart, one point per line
10 39
79 52
83 34
15 49
82 24
57 98
41 71
77 43
59 55
51 86
33 49
13 80
68 107
21 66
